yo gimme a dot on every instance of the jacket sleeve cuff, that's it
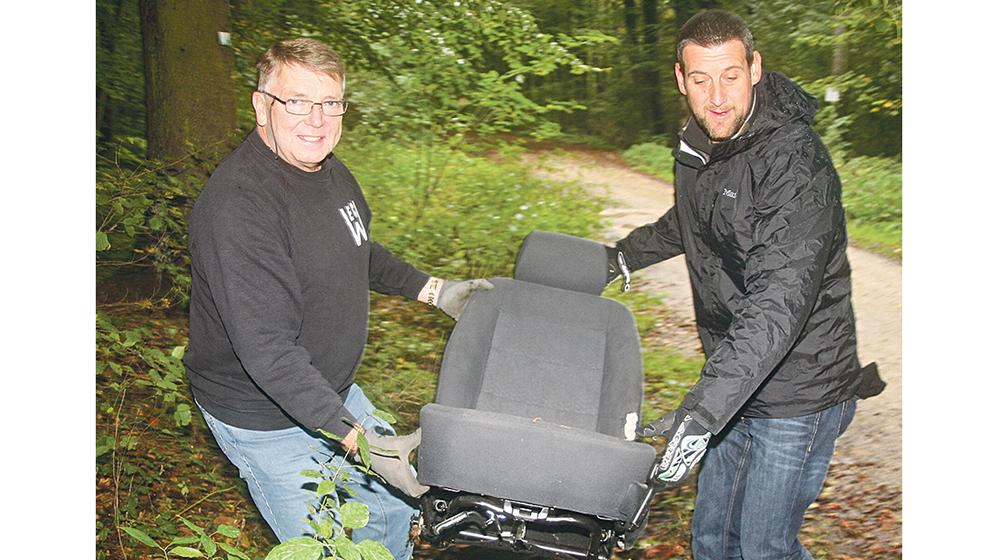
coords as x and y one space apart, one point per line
414 283
340 423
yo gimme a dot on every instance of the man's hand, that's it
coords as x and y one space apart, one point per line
389 459
687 441
454 294
617 267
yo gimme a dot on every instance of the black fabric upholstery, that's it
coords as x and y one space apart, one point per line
537 388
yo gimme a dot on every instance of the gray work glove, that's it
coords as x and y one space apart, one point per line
389 459
455 294
617 267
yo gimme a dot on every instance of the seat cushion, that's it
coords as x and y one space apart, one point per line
531 350
532 460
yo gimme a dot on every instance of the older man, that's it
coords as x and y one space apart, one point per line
759 218
283 261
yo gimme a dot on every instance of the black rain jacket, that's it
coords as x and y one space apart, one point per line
761 224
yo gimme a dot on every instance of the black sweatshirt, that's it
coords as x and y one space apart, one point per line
282 264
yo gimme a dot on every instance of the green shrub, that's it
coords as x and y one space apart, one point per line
652 158
872 196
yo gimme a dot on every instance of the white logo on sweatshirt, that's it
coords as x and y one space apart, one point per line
354 222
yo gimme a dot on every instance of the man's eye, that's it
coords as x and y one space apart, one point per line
333 104
298 102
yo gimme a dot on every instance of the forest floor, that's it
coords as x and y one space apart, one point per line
859 513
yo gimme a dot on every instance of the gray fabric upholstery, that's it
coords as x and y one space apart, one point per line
563 261
532 461
536 387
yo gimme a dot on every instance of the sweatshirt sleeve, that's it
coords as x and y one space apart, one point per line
243 251
799 215
391 275
653 243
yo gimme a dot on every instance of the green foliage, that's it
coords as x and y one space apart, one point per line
141 211
652 158
429 69
872 196
205 545
129 358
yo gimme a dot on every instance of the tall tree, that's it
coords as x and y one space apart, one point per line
651 53
189 89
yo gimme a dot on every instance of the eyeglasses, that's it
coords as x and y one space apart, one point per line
301 107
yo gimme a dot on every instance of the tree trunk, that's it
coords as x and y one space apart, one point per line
651 56
190 92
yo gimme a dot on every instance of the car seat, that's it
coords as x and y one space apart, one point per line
529 443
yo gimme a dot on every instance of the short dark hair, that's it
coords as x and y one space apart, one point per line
711 28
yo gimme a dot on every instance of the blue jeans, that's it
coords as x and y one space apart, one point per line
756 481
270 462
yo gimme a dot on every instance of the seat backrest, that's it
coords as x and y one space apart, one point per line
546 345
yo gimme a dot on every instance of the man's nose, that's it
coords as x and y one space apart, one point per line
316 118
717 95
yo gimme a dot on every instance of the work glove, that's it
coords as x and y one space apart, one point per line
389 459
454 295
687 441
617 267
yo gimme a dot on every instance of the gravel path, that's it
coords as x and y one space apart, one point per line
873 443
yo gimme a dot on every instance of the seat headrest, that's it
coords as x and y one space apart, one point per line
562 261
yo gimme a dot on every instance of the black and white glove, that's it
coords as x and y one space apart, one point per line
389 459
617 267
454 295
687 441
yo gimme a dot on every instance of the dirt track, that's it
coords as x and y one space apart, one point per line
873 443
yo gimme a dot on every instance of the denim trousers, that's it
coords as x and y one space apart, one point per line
271 462
756 481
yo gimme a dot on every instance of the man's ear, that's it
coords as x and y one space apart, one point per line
261 108
680 78
756 69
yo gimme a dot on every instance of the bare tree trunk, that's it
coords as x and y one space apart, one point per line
190 92
651 56
839 51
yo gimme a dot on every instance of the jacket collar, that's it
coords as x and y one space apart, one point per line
776 101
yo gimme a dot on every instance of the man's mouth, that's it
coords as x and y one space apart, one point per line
310 139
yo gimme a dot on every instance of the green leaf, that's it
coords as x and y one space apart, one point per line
102 243
140 536
346 549
184 540
228 531
373 550
364 448
208 545
297 548
186 552
232 551
192 527
182 415
178 352
325 528
311 474
385 416
354 515
325 487
105 444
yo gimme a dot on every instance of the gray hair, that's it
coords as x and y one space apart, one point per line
309 53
